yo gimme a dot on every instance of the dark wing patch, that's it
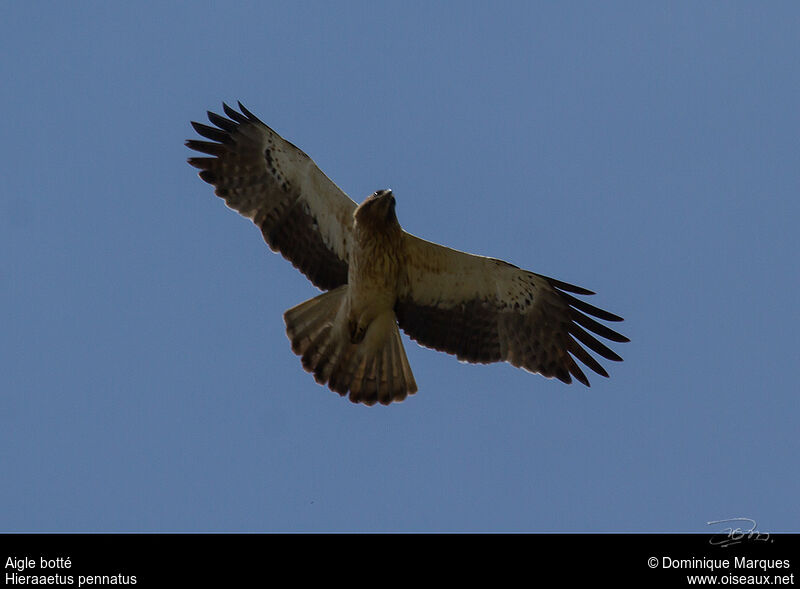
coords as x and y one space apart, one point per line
469 330
301 213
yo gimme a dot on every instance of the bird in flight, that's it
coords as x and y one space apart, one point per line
378 279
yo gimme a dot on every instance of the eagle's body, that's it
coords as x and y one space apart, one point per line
378 278
376 260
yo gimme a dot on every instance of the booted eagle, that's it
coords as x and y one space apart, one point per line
378 279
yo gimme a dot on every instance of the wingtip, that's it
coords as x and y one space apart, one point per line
246 112
566 286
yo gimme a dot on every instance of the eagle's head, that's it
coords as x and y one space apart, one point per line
377 210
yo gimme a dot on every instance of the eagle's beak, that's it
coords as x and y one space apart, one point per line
387 198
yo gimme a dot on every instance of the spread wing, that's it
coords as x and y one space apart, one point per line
485 310
300 211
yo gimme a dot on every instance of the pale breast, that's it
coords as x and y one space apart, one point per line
374 271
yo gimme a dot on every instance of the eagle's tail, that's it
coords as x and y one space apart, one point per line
373 370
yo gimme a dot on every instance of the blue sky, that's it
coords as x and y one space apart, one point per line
647 151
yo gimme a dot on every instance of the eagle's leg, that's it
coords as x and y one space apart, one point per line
357 332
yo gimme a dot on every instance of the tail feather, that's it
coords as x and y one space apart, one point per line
402 370
360 371
317 358
339 376
311 319
387 372
375 370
